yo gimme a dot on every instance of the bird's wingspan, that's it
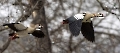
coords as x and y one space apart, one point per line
88 31
75 27
20 27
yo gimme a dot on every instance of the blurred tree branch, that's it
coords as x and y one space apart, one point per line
77 45
107 9
70 50
43 44
5 45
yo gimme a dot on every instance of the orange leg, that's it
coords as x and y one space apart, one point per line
14 36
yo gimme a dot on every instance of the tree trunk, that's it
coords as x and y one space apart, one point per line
43 44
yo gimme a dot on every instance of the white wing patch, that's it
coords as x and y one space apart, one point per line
79 16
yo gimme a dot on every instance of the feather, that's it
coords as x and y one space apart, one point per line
75 27
20 27
11 26
71 19
38 33
88 31
16 26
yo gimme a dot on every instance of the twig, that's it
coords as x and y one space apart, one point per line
107 9
77 45
70 44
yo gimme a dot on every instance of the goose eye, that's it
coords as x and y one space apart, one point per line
100 15
84 14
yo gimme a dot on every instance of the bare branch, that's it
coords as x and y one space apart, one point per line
5 46
107 9
70 44
77 45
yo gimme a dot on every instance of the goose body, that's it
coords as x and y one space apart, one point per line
22 31
83 23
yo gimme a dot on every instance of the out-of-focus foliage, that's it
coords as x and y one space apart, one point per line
107 29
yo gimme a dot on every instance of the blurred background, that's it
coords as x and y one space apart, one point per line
107 29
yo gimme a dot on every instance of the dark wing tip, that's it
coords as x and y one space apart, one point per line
9 24
88 31
93 41
4 25
38 34
90 39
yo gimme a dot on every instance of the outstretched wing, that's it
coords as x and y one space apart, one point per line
38 33
75 27
88 31
15 26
